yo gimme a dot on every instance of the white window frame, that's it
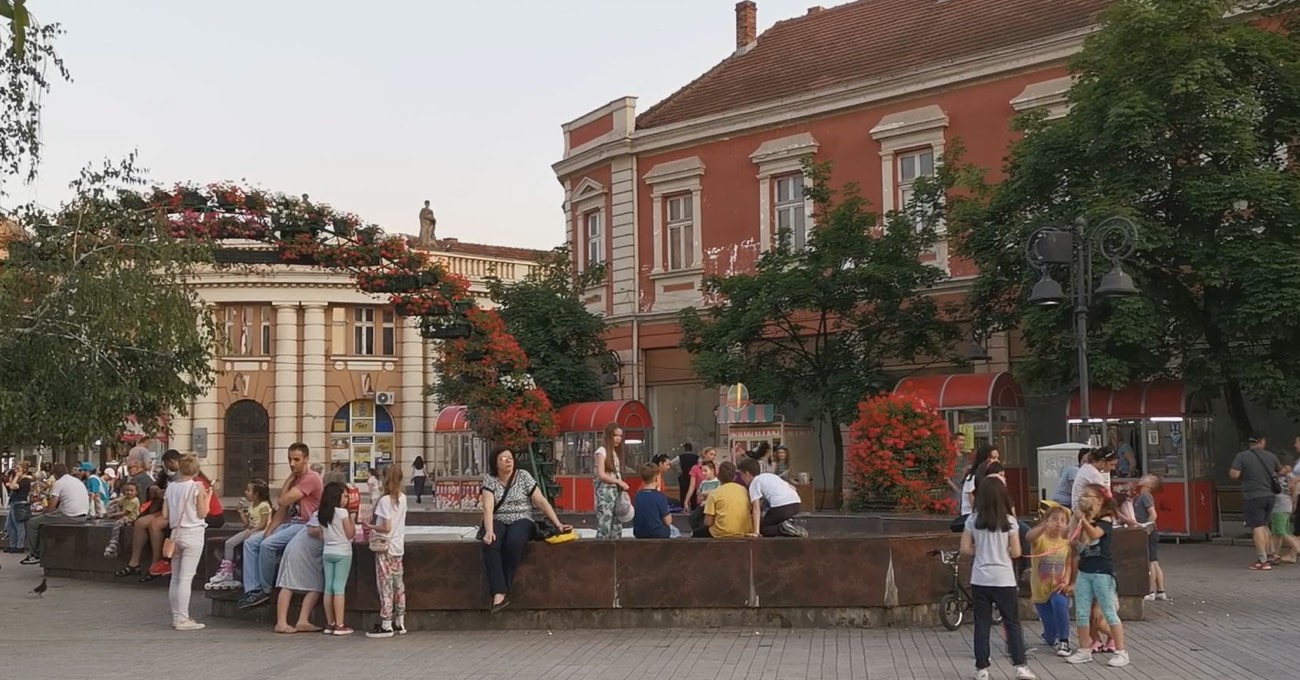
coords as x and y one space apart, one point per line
780 157
681 232
795 204
671 180
1052 95
387 333
586 198
904 184
901 133
594 236
363 331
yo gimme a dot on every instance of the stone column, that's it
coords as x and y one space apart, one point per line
284 427
207 413
411 429
315 421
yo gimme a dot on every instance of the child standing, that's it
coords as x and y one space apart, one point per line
125 510
390 520
652 518
992 538
1095 574
255 518
337 531
1144 511
1048 576
185 506
1280 521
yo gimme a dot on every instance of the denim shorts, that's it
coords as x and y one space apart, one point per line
1099 588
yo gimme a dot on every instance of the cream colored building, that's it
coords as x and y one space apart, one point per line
307 357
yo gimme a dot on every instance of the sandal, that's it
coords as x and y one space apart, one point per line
128 570
146 578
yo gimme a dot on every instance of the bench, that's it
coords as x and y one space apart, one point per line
78 552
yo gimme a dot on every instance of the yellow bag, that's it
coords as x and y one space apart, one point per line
565 537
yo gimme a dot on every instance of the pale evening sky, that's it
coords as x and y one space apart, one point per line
373 106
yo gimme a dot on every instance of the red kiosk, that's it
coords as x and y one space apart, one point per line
1161 428
458 463
582 430
990 409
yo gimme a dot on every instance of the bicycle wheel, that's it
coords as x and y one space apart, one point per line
952 609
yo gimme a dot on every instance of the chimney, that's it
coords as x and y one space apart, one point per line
746 23
814 10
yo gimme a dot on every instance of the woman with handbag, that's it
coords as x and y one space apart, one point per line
508 497
388 542
609 483
19 485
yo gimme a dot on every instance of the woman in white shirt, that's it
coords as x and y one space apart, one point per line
1095 470
185 504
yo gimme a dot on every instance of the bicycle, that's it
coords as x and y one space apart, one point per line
954 605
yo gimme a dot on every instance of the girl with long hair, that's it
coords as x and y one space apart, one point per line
984 455
337 529
609 482
991 537
1095 574
390 520
419 478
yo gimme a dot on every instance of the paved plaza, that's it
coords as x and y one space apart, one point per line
1224 622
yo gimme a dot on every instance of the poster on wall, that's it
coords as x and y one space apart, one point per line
340 425
365 425
457 495
339 449
383 451
362 409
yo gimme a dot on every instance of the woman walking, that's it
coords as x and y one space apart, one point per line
185 505
418 478
609 483
390 524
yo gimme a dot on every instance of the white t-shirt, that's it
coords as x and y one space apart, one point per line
993 565
395 513
967 489
180 500
73 497
1088 474
775 490
336 539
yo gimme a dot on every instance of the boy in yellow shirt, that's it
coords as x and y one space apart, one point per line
726 511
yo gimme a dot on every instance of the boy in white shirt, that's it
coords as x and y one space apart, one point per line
782 501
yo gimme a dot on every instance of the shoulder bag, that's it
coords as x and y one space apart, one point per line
379 541
1273 484
496 506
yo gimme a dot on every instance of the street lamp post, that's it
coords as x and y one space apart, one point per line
1074 246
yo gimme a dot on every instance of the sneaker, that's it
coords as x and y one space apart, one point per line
380 632
31 559
1149 597
1063 649
982 674
1023 673
1119 659
789 528
161 568
188 625
1080 656
110 550
399 630
256 598
342 630
1161 596
328 629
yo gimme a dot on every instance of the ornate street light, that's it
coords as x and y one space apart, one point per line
1114 239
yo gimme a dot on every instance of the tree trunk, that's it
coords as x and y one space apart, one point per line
837 438
1236 403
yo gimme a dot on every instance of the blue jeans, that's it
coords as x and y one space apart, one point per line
1099 588
1055 615
1006 599
262 556
336 572
17 530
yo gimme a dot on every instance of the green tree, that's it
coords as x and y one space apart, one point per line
1185 122
96 322
822 326
28 63
564 341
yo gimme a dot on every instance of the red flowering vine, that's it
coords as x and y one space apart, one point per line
901 457
504 405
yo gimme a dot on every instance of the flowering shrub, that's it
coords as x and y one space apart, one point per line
504 405
900 458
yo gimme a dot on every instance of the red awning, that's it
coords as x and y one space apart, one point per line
452 419
593 416
964 390
1160 399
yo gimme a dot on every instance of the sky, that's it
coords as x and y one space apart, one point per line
371 107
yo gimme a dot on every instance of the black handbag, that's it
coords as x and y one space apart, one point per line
1273 484
482 529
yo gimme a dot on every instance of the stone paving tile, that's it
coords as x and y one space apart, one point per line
1225 622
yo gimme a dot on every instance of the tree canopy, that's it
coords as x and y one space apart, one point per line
1184 122
827 325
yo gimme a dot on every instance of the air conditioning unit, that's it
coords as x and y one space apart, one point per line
385 398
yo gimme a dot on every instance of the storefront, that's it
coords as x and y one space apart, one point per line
459 461
989 409
747 425
361 440
582 431
1160 428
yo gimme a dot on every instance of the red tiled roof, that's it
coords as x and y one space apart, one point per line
484 250
863 40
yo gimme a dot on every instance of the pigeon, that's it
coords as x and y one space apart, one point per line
39 591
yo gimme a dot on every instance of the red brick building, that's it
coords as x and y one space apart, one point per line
700 182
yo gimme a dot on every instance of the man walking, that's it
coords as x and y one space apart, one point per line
1257 469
